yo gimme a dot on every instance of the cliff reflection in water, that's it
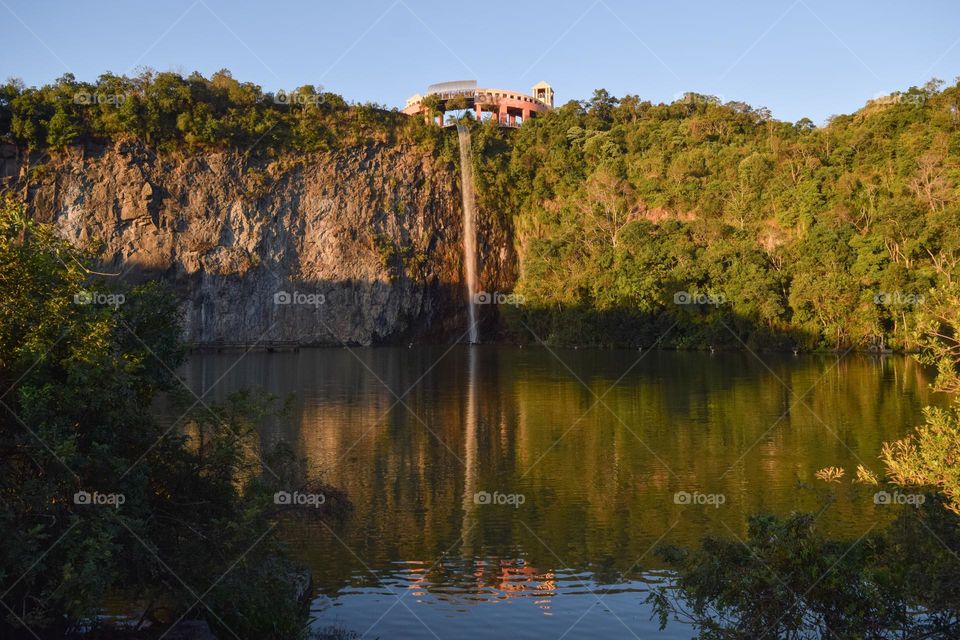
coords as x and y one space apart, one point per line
597 479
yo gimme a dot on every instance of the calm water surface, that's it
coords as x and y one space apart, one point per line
589 449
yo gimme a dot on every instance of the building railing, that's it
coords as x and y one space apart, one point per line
488 94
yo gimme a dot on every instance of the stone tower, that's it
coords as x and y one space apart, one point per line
544 93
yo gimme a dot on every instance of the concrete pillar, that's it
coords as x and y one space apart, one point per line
526 115
478 110
502 114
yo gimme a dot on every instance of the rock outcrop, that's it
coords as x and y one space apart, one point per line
359 246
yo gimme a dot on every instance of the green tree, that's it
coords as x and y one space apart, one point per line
79 362
930 456
787 580
61 131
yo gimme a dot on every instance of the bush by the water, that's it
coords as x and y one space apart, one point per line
101 500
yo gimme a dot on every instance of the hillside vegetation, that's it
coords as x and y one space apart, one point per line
792 235
173 113
689 224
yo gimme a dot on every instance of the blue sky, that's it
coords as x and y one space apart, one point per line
799 58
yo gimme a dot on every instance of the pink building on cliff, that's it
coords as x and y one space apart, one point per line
510 108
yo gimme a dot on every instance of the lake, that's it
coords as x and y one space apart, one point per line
521 492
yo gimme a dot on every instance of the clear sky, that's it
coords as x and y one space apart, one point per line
799 58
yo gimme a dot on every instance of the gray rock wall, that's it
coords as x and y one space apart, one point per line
359 246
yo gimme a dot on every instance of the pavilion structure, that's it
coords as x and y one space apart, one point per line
509 108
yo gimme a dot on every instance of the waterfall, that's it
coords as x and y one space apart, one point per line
469 228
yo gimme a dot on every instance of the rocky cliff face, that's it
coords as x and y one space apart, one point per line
360 246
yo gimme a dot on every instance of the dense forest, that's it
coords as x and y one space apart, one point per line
794 236
176 114
693 224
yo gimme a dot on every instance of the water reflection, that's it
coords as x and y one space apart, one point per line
596 444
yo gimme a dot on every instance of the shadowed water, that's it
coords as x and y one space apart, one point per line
587 451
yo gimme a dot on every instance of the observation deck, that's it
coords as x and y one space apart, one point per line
510 108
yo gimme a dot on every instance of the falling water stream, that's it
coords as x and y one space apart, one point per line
469 229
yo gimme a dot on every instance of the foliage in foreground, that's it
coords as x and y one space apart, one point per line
930 456
787 581
100 498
